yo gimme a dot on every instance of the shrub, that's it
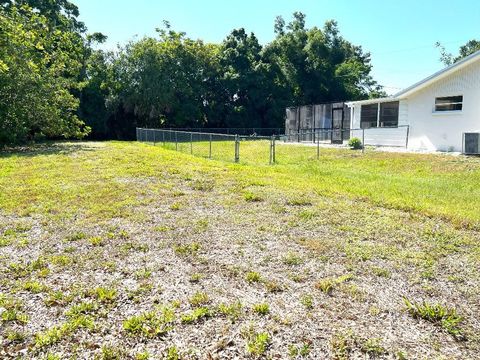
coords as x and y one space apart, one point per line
355 143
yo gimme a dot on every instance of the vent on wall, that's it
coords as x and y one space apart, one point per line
471 143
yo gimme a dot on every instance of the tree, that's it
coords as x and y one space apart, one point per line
249 79
162 82
465 50
319 65
35 96
60 14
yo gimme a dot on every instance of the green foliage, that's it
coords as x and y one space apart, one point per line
196 315
251 197
303 350
257 343
253 276
38 65
199 298
319 65
188 249
465 50
307 301
438 314
328 284
57 333
105 295
232 311
52 80
261 309
292 259
172 354
112 353
150 324
355 143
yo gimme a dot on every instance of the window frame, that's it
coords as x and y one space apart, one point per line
396 114
380 116
370 121
437 106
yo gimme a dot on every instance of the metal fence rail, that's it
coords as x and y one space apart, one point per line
249 131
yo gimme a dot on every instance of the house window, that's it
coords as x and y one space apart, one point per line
449 103
369 116
389 114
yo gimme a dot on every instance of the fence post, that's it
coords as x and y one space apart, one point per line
210 148
271 151
237 149
318 147
363 140
191 143
273 140
408 133
154 137
163 137
176 141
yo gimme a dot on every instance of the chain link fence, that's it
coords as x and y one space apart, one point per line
386 136
213 145
256 149
253 131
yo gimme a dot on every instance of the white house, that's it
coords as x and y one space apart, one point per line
433 114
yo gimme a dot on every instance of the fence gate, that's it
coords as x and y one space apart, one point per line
337 125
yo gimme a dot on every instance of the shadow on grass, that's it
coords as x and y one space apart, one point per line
48 148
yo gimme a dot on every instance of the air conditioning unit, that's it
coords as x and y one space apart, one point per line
471 143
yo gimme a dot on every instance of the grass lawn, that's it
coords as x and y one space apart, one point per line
125 250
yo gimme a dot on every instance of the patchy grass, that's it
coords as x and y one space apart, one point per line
445 317
261 309
94 236
150 324
257 342
196 315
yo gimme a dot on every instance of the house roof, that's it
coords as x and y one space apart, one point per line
439 75
425 82
372 101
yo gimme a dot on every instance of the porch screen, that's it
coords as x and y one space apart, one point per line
389 114
368 116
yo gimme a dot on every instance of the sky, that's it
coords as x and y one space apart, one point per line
400 35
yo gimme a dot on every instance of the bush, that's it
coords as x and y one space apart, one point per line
355 143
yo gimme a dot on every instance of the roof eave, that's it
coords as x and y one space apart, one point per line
372 101
438 75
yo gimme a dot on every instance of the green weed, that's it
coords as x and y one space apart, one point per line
150 324
196 315
445 317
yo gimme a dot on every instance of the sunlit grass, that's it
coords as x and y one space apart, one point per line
94 178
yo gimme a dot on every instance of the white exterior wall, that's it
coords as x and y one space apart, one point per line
443 131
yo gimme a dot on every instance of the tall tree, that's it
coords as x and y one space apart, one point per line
249 79
319 65
162 82
35 96
465 50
